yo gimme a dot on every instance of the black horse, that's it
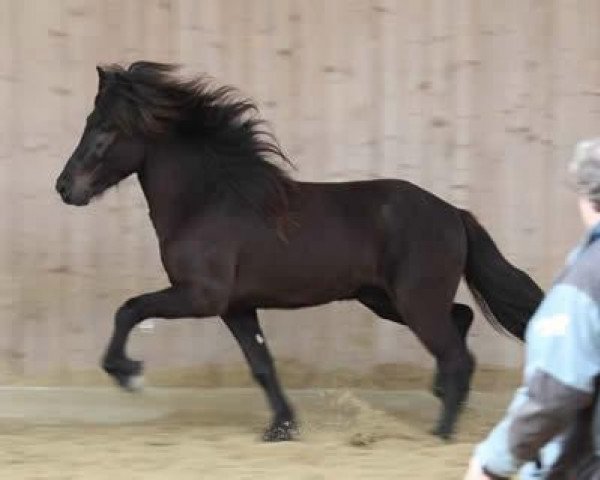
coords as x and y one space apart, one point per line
236 234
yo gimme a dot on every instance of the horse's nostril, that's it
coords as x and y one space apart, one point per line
61 188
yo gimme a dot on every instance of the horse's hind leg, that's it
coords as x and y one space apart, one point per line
379 303
431 321
247 331
462 318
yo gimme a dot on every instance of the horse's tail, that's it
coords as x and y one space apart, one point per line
507 296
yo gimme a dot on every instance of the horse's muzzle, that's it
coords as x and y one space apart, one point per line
68 194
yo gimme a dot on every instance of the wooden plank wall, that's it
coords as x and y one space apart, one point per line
479 101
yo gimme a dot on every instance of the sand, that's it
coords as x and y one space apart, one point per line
174 433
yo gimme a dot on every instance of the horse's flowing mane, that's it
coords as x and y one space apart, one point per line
154 100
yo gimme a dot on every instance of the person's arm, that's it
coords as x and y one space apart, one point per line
563 361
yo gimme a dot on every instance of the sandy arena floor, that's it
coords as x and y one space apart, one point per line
171 433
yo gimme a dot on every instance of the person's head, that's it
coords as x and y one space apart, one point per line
585 171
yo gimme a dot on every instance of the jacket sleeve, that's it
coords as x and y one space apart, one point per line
563 362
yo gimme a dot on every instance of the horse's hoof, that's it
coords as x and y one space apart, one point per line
133 383
282 431
126 373
437 392
442 433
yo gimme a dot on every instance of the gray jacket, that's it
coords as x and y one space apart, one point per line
555 416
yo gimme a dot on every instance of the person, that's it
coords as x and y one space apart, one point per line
552 427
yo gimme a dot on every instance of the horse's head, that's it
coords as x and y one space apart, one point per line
144 109
107 153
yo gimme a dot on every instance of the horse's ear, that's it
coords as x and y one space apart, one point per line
101 77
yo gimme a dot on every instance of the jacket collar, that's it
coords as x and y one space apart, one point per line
590 237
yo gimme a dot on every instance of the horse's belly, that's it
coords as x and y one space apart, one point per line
301 286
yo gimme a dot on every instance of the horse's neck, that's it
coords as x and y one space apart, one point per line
166 183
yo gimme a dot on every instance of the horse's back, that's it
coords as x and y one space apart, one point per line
380 205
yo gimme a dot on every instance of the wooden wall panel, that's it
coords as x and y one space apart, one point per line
480 101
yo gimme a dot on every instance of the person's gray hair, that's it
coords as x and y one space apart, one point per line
584 169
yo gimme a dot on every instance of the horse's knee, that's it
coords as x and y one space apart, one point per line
128 314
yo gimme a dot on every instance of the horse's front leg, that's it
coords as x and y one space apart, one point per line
247 331
173 302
